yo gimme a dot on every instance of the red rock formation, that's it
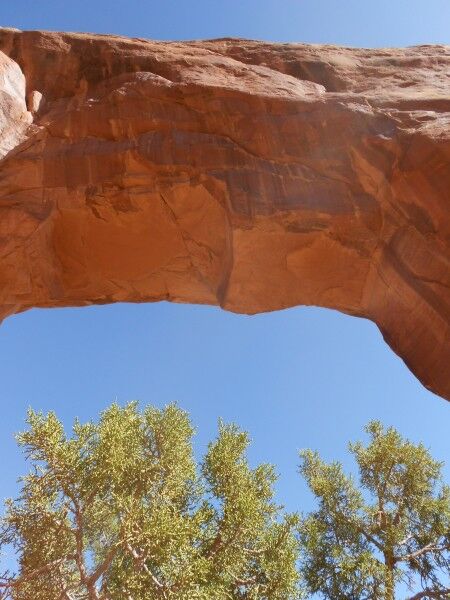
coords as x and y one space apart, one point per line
251 175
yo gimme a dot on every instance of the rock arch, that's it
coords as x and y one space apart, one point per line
250 175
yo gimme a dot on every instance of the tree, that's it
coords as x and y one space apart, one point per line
121 510
394 527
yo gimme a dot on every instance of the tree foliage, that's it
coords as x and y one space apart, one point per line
120 510
393 527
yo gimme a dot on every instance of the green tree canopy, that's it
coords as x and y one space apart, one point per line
392 527
120 510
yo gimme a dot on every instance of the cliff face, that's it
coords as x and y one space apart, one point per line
250 175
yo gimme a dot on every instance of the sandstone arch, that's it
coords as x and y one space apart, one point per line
251 175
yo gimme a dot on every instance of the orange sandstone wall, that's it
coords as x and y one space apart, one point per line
250 175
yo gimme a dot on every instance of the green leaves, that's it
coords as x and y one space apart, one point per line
396 526
120 509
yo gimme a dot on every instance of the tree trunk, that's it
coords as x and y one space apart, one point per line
389 593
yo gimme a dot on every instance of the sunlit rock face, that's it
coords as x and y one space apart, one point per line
254 176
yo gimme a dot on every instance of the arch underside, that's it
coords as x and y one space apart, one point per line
249 175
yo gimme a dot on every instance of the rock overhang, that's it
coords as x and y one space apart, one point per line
250 175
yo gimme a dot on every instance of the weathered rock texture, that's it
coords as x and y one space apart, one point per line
251 175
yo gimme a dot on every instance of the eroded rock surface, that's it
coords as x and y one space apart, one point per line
251 175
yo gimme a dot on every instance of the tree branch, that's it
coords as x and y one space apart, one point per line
104 566
139 560
370 538
443 594
428 548
405 540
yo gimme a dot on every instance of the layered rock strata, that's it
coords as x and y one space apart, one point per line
250 175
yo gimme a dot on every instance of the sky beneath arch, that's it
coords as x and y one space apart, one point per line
304 377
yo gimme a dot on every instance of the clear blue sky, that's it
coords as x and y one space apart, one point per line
351 22
305 377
